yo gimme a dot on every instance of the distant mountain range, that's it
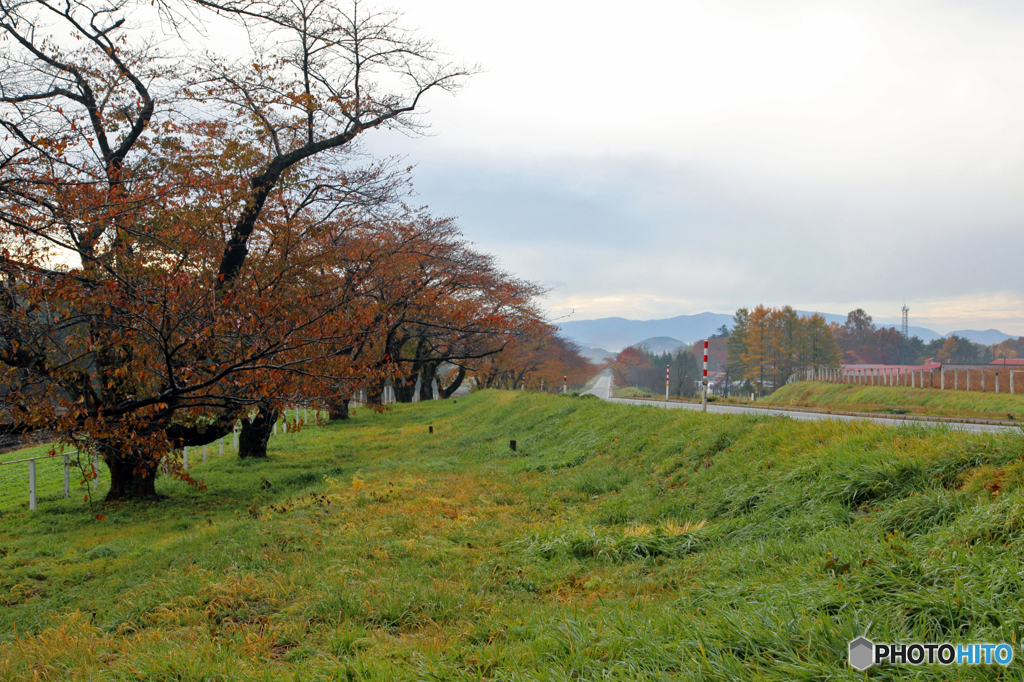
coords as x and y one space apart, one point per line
598 355
608 335
656 345
661 344
616 333
987 337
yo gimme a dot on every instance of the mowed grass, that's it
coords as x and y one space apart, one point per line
899 400
618 543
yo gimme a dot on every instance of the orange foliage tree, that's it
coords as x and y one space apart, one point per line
448 307
1008 349
172 236
625 362
538 359
766 345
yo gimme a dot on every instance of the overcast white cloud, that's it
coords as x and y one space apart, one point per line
676 157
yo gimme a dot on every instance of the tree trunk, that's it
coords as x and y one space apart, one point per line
339 410
454 386
427 374
404 390
375 393
255 434
130 477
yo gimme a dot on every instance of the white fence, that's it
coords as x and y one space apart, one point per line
47 474
948 377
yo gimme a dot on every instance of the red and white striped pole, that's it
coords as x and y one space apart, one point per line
704 393
666 381
565 384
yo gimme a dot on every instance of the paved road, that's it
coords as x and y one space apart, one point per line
602 389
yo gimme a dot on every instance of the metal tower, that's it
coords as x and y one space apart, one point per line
906 327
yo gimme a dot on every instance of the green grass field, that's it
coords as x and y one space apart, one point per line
899 400
633 392
616 543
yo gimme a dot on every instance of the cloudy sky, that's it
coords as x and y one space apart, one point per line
664 158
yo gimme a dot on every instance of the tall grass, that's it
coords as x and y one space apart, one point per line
617 542
900 400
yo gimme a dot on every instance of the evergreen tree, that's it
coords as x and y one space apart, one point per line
737 344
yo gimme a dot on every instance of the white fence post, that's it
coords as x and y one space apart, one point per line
32 484
220 446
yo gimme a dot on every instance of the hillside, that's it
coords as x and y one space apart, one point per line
616 543
986 337
660 344
616 333
596 355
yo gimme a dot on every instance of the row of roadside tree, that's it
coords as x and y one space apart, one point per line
191 234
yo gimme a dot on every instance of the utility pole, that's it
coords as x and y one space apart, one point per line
906 334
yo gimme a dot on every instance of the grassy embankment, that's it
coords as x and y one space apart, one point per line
899 400
617 543
634 392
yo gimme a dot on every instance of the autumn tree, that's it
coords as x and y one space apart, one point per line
536 360
448 304
767 345
626 362
1008 349
956 349
168 231
862 342
756 354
